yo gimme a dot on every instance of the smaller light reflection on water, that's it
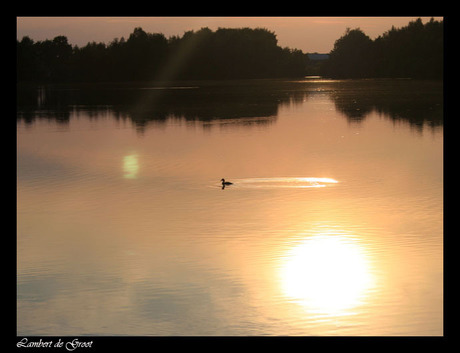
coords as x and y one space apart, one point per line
284 182
130 166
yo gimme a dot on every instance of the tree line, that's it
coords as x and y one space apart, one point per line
414 51
204 54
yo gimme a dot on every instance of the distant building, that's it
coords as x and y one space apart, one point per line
317 57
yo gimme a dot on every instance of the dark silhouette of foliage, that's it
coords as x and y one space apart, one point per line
351 56
414 51
49 60
204 54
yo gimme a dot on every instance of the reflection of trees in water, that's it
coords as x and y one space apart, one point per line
232 103
415 102
242 104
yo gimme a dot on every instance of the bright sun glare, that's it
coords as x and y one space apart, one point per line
327 274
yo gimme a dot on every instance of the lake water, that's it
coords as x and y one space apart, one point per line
333 226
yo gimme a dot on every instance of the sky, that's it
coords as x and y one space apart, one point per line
309 34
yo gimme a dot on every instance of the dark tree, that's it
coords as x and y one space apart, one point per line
351 56
204 54
414 51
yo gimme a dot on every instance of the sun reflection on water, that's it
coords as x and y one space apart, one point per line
327 274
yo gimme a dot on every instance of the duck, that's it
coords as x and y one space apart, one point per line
225 182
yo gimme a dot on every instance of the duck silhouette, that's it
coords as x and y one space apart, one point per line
225 183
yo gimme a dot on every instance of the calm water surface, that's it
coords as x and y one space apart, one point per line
333 226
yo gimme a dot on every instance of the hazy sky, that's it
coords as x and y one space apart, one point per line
310 34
